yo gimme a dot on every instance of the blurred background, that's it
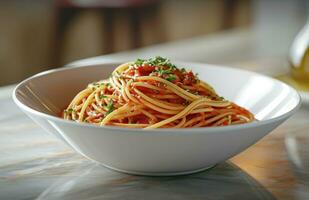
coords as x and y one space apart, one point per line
42 34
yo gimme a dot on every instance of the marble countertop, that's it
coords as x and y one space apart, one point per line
35 165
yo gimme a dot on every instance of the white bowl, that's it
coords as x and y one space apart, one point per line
160 151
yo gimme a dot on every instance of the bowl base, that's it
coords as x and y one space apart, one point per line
159 173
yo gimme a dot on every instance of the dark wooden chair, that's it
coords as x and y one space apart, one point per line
66 10
136 10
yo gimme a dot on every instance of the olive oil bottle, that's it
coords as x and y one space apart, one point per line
299 61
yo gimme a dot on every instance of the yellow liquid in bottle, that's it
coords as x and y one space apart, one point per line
301 72
299 62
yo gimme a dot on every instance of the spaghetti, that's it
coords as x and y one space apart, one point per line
154 93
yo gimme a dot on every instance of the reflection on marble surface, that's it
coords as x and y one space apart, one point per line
297 146
92 181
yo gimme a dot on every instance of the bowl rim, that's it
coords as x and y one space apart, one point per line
163 130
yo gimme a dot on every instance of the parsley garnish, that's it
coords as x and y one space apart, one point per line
102 96
171 78
157 61
139 61
69 111
110 107
163 71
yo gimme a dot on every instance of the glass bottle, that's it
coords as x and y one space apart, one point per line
299 59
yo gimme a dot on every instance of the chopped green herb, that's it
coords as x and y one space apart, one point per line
139 61
110 107
183 70
102 96
69 111
171 78
163 71
157 61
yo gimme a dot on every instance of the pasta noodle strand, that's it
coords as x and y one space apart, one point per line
153 93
